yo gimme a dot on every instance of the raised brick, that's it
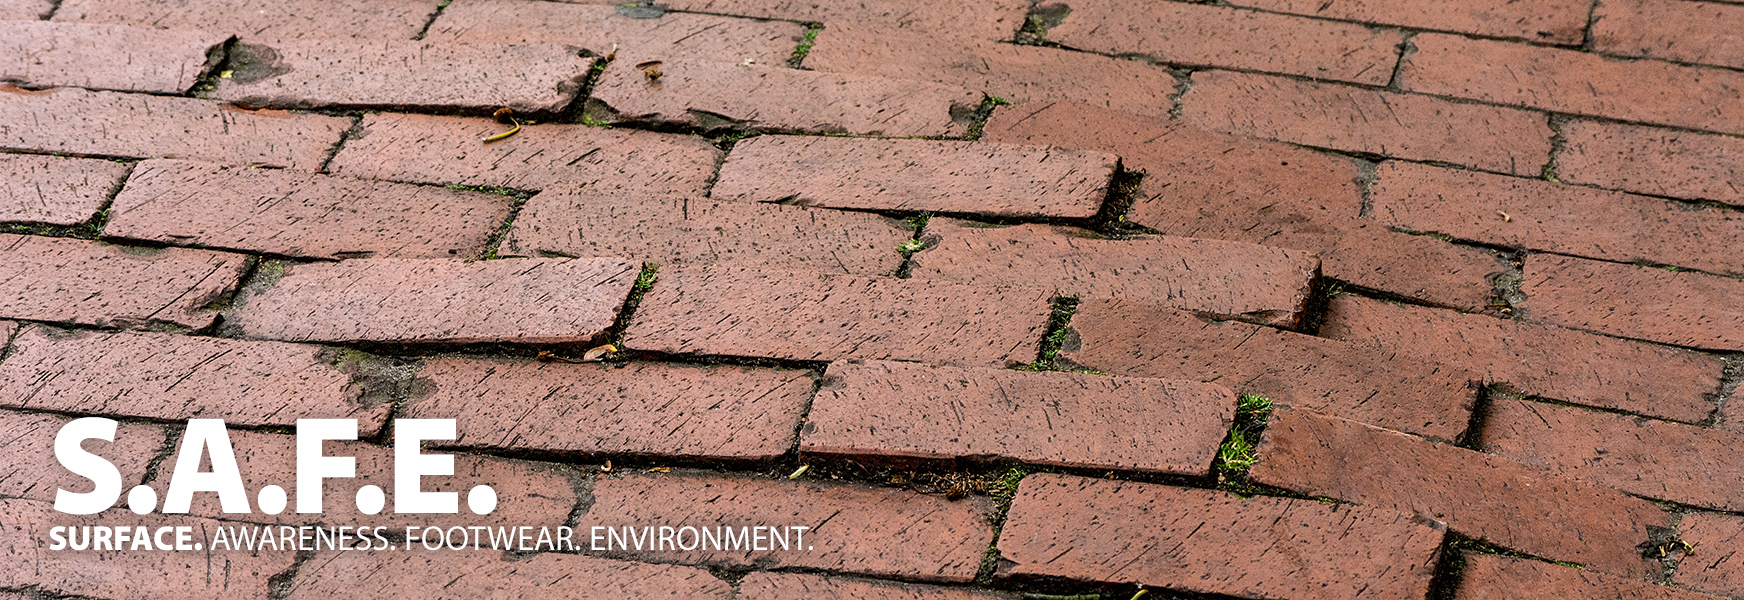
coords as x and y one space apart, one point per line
438 149
1715 567
1535 359
942 176
853 529
1571 81
25 9
715 95
1551 21
75 121
1382 388
607 29
1652 160
356 73
1354 119
983 19
529 300
1684 309
28 468
1232 279
78 281
1204 35
1369 255
802 316
1665 461
649 409
1493 577
1214 542
55 190
1476 494
682 230
899 410
263 19
801 586
109 57
1695 32
469 574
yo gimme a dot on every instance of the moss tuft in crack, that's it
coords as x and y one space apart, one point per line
1041 18
644 282
1240 449
799 53
1058 332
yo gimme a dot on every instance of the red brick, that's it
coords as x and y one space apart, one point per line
1196 34
469 574
1694 32
1684 309
1478 495
983 19
853 529
715 95
356 73
1493 577
28 468
109 57
1665 461
1369 255
1354 119
262 19
683 230
1549 21
800 586
929 175
651 409
606 29
1571 81
896 410
78 281
1651 160
1715 567
530 301
55 190
1212 541
1409 394
74 121
176 377
1552 217
1535 359
21 10
437 149
804 316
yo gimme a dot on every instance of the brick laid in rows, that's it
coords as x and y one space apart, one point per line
75 121
55 190
764 585
891 410
1210 541
1495 577
714 95
1536 359
1653 160
29 469
529 300
470 574
972 19
649 409
1718 570
1660 305
927 175
1232 279
79 281
744 311
605 29
288 213
1694 32
177 377
262 19
528 78
440 149
1476 494
1382 388
1549 21
684 230
1205 35
43 54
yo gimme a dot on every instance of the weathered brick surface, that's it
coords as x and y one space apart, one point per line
1353 119
1717 570
1651 160
1553 217
1680 308
1476 494
74 121
683 230
110 57
1245 281
802 316
1570 81
712 95
469 574
972 19
1403 393
604 29
1493 577
438 149
897 410
801 586
55 190
78 281
1536 359
1551 21
853 529
28 468
529 300
528 78
263 19
288 213
1213 541
176 377
1705 33
651 409
25 9
1666 461
942 176
1195 34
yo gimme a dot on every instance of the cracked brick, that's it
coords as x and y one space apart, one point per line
55 190
91 283
44 54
